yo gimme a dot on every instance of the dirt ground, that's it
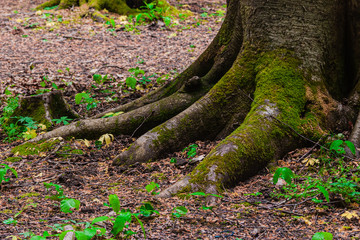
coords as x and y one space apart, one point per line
68 50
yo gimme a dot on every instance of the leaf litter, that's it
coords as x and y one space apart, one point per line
39 47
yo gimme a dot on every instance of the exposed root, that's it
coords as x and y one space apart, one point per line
147 116
207 118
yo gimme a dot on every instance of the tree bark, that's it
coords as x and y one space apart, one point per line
278 75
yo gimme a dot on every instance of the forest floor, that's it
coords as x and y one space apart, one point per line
43 51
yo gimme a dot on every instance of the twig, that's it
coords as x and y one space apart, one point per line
141 124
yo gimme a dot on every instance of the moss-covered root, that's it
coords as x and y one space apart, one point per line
137 121
279 97
204 119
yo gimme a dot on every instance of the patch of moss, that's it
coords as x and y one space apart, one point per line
31 148
6 211
280 92
13 159
28 195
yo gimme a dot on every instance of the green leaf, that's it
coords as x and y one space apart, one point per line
38 238
322 236
285 173
198 194
10 221
324 192
151 187
206 208
335 145
114 202
87 234
67 204
181 210
131 82
351 147
120 221
97 78
100 219
62 235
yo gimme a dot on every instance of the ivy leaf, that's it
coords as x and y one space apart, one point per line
335 145
67 204
285 173
87 234
322 236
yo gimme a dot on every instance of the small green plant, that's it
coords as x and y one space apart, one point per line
322 236
173 160
152 12
3 171
124 217
10 221
64 120
205 207
99 79
285 173
190 150
338 147
85 98
152 187
179 212
66 204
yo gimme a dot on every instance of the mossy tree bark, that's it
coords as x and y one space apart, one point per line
278 73
122 7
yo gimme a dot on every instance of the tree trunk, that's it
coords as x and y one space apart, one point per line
279 74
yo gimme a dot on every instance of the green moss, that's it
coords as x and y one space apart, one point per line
67 152
28 195
164 135
33 108
280 92
31 148
6 211
13 159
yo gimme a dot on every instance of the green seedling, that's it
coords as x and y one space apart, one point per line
204 207
3 171
99 79
124 217
190 150
152 187
66 204
338 147
64 120
285 173
85 98
322 236
179 212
